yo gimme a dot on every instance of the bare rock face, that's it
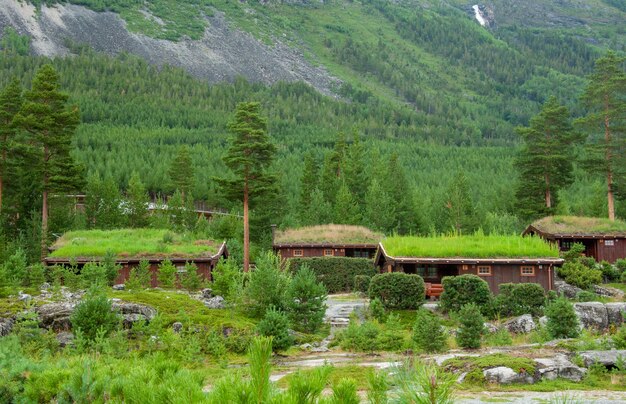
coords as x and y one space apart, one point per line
520 325
223 54
600 316
605 358
6 325
177 327
504 375
56 316
133 312
614 312
216 302
558 366
570 291
65 339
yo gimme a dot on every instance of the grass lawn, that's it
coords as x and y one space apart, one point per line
131 243
475 246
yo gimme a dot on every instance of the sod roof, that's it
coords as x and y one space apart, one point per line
576 225
327 234
131 243
475 246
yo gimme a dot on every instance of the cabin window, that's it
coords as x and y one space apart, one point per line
484 270
328 252
298 253
527 271
609 243
566 245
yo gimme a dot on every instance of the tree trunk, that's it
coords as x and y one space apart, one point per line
246 230
548 193
44 223
4 162
609 158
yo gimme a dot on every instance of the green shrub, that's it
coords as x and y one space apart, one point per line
306 301
140 276
472 326
516 299
275 324
190 280
376 310
391 337
562 319
267 286
362 283
14 270
359 337
111 268
36 275
461 290
344 392
622 277
227 279
91 274
609 272
94 315
166 274
428 333
619 339
577 274
397 290
620 264
586 296
502 337
336 273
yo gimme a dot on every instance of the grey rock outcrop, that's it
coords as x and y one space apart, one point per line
177 327
570 291
558 366
606 358
490 328
65 339
216 302
505 375
520 325
55 316
600 316
119 286
6 326
133 312
206 293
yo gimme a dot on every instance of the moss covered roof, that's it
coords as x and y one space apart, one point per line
327 234
577 225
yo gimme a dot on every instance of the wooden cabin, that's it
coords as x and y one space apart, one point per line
68 249
326 241
510 266
603 239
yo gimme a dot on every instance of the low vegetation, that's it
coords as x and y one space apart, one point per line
473 246
580 225
336 273
131 243
397 290
328 233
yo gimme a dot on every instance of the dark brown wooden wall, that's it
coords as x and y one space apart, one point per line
204 270
611 253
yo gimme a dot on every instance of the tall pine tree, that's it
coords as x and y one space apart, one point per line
545 162
181 172
346 208
249 157
308 183
51 124
605 98
10 105
458 208
137 202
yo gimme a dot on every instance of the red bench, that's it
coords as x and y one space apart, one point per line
434 289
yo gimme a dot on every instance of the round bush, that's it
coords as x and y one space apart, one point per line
275 324
397 290
472 326
461 290
562 319
362 283
516 299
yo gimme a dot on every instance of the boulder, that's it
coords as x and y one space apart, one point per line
615 313
543 321
504 375
55 316
65 339
592 315
119 286
45 286
607 291
24 297
490 328
6 326
133 312
558 366
216 302
206 293
177 327
520 325
570 291
606 358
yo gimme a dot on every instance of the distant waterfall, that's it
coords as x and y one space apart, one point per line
479 15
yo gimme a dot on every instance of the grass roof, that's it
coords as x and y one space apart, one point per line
328 233
476 246
580 225
131 243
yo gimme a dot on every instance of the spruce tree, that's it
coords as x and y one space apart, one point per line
379 208
137 202
346 208
320 211
458 206
308 183
181 172
51 124
329 181
604 98
398 188
10 104
545 162
355 174
472 326
249 157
